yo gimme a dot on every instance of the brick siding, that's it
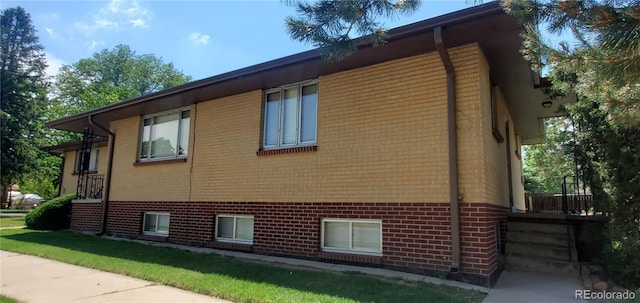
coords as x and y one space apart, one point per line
415 235
86 216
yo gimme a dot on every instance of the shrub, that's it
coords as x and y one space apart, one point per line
53 214
621 258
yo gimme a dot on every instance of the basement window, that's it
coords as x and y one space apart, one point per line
156 224
352 236
234 228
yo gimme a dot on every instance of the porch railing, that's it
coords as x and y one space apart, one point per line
570 201
90 187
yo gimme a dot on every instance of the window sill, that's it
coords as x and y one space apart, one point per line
352 252
289 150
156 238
351 257
89 172
496 134
232 246
160 161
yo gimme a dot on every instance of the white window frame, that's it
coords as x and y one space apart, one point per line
93 160
235 219
299 86
351 250
177 155
156 232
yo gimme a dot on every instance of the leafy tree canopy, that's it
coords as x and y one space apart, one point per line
111 76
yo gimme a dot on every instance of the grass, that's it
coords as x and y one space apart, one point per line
222 277
14 211
5 299
11 221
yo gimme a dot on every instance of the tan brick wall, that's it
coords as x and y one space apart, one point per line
69 179
158 182
382 137
469 129
494 153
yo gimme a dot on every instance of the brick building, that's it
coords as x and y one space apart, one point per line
405 156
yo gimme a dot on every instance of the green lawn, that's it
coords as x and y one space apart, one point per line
223 277
11 221
14 211
5 299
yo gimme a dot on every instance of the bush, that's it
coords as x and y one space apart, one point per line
621 260
53 214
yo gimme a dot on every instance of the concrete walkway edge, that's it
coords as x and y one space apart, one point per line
34 280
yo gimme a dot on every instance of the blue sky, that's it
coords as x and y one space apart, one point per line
201 38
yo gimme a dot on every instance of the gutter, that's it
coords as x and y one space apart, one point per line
424 26
107 186
454 195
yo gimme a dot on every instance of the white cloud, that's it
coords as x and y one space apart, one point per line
139 23
49 30
199 38
117 15
91 45
54 64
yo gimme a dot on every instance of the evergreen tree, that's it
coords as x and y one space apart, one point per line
603 69
22 96
330 24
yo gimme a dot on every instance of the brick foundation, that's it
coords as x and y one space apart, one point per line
86 216
416 236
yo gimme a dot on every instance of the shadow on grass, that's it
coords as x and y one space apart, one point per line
338 286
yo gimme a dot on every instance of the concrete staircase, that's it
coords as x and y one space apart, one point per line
541 247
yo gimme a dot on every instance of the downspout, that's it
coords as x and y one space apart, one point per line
453 148
107 185
60 174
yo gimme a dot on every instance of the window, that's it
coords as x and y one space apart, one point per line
362 236
235 228
495 130
156 223
290 116
87 160
165 136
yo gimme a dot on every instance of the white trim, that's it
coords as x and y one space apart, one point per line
158 214
178 111
299 87
232 240
87 201
351 250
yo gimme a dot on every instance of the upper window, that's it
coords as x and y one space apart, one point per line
495 129
165 135
87 160
290 116
361 236
235 228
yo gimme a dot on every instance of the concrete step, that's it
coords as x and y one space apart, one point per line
537 227
540 265
546 252
540 238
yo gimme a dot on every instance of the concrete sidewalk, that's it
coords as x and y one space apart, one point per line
33 279
534 287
